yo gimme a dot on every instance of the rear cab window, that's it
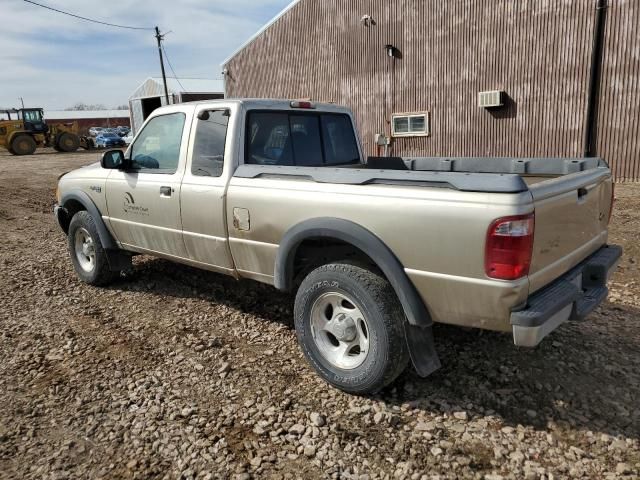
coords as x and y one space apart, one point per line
303 139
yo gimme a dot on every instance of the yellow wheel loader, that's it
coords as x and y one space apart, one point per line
28 131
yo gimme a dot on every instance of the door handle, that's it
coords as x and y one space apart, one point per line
165 191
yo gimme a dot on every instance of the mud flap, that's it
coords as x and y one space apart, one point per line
118 261
422 349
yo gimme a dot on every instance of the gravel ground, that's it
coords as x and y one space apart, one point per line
178 373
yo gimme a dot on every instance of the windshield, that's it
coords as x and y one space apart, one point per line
32 116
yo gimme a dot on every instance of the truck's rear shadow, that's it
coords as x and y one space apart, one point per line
568 379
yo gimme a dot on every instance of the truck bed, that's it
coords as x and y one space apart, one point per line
571 197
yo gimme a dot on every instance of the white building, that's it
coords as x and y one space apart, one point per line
150 95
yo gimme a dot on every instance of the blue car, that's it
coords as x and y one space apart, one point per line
106 140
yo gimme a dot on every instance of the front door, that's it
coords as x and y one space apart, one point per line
203 192
144 201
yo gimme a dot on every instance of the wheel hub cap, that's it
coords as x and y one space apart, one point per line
339 330
344 328
85 250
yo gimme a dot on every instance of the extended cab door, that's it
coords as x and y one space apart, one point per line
144 201
204 187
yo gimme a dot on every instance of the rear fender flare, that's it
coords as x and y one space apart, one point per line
361 238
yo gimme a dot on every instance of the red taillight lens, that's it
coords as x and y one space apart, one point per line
509 247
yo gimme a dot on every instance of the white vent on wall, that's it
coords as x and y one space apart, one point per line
494 98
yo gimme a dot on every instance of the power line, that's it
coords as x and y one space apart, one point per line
172 70
85 18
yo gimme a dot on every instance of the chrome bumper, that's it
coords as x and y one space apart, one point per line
571 297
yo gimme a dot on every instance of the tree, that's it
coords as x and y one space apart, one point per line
83 106
122 107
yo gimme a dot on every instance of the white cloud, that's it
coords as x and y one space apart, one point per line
55 61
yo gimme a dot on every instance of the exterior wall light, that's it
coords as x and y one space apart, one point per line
392 51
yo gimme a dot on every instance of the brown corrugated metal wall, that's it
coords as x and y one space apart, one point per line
539 52
619 112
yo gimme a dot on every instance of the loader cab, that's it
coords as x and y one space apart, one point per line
33 120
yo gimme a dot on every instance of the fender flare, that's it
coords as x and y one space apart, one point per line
361 238
81 197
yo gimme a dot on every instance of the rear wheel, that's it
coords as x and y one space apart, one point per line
87 254
350 326
23 145
68 142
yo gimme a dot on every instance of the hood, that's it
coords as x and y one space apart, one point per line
90 171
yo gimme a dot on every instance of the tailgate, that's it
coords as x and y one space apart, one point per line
572 216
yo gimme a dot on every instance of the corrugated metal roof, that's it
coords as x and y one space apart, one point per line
152 86
260 32
79 114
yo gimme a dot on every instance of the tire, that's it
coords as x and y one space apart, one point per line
23 145
87 254
338 301
68 142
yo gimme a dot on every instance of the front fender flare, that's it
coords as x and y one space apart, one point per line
107 240
361 238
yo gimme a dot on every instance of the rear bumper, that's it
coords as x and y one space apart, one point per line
571 297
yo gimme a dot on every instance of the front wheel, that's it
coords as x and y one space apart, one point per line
87 254
350 326
68 142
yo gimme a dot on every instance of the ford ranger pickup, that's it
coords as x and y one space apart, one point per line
375 249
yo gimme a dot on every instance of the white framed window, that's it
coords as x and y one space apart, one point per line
410 124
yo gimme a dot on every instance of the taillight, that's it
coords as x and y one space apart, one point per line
509 247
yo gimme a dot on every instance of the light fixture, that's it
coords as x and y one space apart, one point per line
392 51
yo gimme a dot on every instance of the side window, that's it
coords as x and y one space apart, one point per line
157 148
340 146
209 144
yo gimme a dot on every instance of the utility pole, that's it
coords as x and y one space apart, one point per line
22 101
159 38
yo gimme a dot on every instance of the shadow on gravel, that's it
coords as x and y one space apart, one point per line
585 375
165 278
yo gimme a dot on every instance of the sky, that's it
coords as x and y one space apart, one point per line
55 61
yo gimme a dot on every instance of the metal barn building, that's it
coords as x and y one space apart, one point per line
150 95
530 78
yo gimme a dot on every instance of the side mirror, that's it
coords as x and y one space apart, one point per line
113 160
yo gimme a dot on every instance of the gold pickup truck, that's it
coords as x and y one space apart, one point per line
375 249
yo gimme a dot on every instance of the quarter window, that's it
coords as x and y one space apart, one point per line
209 145
157 147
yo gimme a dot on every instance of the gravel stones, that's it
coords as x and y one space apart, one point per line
176 373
